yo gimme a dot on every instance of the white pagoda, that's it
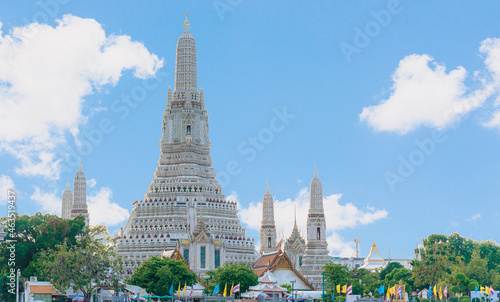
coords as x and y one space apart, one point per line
184 186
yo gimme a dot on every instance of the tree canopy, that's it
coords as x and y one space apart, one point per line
157 274
231 274
35 234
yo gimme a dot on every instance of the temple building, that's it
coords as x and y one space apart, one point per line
316 252
307 257
295 244
268 227
184 186
277 266
75 203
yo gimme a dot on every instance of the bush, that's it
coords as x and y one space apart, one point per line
453 299
476 300
473 284
424 300
455 289
465 299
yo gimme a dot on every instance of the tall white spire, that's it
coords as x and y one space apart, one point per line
185 63
316 254
67 202
80 196
268 227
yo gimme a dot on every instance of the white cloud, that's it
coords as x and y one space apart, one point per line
47 73
91 182
6 183
491 48
474 217
103 211
49 202
424 94
338 217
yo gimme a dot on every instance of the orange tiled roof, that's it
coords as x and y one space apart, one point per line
42 289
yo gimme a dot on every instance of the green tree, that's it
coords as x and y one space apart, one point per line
335 274
288 287
84 266
157 274
477 269
231 274
437 258
389 268
38 233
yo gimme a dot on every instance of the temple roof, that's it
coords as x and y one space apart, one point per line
374 261
270 262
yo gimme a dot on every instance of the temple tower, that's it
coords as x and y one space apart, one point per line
316 253
296 245
79 206
67 202
184 185
268 227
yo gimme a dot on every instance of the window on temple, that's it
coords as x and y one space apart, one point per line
268 242
202 256
188 129
186 255
300 260
318 233
217 258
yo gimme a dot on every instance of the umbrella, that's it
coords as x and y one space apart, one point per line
78 298
262 295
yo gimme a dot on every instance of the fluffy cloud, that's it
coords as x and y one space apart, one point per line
47 73
338 217
423 93
491 49
103 211
49 202
6 183
474 217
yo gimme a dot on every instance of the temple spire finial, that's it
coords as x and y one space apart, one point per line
67 185
267 186
295 216
186 23
80 164
315 170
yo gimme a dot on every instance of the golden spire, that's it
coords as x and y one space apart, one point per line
67 185
267 186
80 163
315 170
186 23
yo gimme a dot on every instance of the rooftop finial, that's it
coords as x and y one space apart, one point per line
295 216
315 170
186 23
67 185
80 163
267 186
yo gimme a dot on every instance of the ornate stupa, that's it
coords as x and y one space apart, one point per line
184 184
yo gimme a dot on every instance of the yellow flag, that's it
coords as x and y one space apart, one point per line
179 290
338 288
184 290
440 293
344 289
434 291
487 290
232 287
482 289
225 290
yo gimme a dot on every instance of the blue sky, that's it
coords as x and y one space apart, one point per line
420 73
